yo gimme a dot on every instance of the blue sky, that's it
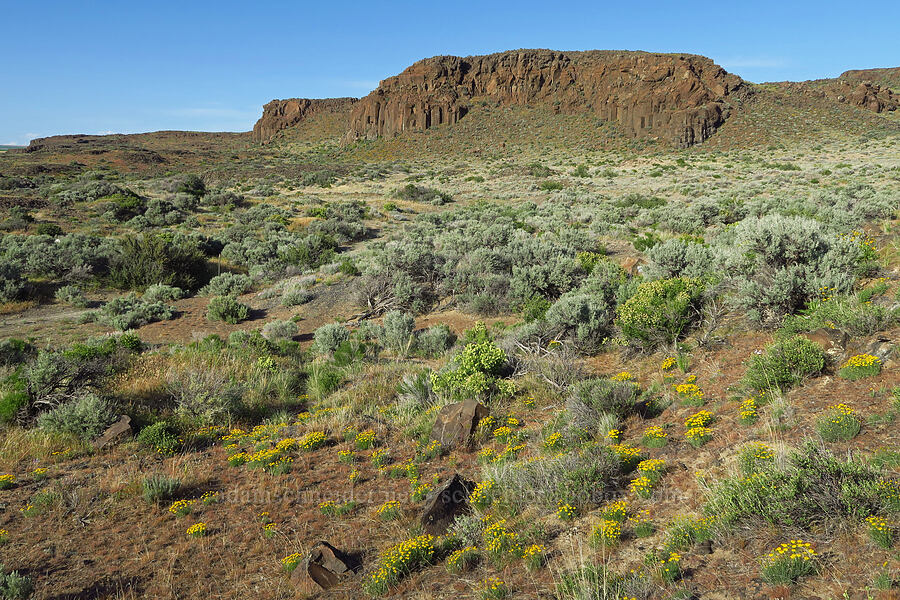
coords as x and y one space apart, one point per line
98 67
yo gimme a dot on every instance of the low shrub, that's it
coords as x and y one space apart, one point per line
838 424
227 309
85 417
204 392
131 312
161 437
784 364
228 284
789 562
398 332
71 294
435 341
141 261
14 586
328 338
160 292
279 330
11 281
157 489
660 311
860 366
414 193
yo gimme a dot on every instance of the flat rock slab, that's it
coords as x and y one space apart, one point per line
325 565
445 503
456 423
115 433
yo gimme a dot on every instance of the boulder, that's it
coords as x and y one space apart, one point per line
444 504
881 347
115 433
456 423
833 341
325 565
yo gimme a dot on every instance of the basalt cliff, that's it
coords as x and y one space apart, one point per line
281 114
678 98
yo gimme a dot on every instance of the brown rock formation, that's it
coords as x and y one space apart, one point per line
867 95
280 114
679 98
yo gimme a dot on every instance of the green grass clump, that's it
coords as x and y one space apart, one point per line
789 562
159 488
838 424
860 366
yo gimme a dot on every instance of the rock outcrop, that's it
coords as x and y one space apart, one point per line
281 114
864 94
679 98
456 423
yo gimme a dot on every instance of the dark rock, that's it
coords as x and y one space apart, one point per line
115 433
444 504
456 423
680 98
281 114
833 341
325 565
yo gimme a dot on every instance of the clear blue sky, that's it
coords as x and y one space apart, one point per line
77 66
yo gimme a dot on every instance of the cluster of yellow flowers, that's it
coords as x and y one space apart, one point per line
862 360
607 532
182 508
4 536
381 457
312 440
389 510
623 376
700 419
401 559
697 436
502 434
613 435
532 551
528 402
641 486
749 412
286 445
197 530
652 468
7 481
690 393
878 524
551 442
291 561
481 496
792 550
615 511
629 455
209 497
494 588
269 529
499 540
354 475
667 364
39 473
655 432
565 511
459 560
365 439
842 409
759 451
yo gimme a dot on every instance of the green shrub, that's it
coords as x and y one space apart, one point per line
51 229
14 351
550 186
161 437
323 178
472 372
814 487
414 193
227 309
850 313
435 341
85 417
538 170
157 489
141 261
838 424
71 294
191 184
328 338
13 397
14 586
11 281
784 364
860 367
203 392
228 284
607 396
660 311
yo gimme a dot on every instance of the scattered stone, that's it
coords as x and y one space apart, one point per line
444 504
456 423
115 433
325 565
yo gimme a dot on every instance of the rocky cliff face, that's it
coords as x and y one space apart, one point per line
679 98
280 114
865 94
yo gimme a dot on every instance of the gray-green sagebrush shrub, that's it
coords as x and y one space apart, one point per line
660 311
780 263
131 312
435 341
227 309
84 417
228 284
204 392
398 332
328 338
160 292
72 295
11 281
279 330
784 364
14 585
